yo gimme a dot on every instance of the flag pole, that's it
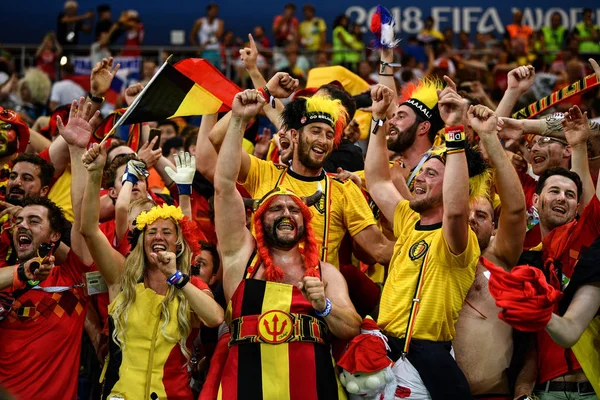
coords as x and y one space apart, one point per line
135 102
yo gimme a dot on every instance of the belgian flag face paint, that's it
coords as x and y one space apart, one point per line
8 139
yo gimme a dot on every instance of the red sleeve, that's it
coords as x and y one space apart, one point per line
124 246
74 267
46 155
199 283
529 184
591 216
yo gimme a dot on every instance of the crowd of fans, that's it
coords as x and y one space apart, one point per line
236 255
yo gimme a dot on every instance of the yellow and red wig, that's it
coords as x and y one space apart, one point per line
309 247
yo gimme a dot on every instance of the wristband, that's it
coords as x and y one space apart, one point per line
176 277
184 281
22 281
378 124
387 64
19 278
326 311
455 137
95 99
269 99
184 188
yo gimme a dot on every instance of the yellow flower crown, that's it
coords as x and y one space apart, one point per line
148 217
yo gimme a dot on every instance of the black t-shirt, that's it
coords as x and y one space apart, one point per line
67 33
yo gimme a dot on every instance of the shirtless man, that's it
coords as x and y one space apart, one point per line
483 343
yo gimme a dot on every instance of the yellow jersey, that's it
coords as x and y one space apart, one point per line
445 282
60 193
346 210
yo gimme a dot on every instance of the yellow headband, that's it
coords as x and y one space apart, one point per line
148 217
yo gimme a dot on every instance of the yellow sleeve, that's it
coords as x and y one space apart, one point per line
260 170
357 213
322 25
402 216
467 258
60 194
248 146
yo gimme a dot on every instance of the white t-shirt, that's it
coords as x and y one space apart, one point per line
65 91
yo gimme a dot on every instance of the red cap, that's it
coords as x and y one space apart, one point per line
366 352
11 117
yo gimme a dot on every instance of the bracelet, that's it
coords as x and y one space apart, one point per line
95 99
184 281
21 273
387 64
326 311
21 280
184 188
378 124
267 95
455 137
176 277
380 74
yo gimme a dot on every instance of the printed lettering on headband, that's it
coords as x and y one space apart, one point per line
313 117
421 107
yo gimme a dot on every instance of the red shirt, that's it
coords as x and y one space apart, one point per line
41 337
133 41
565 244
47 63
533 237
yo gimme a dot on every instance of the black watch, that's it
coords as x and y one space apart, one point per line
95 99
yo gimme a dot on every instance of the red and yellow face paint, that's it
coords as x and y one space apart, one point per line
8 139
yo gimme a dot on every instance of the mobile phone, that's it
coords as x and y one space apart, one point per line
154 133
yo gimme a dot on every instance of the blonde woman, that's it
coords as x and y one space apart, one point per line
155 308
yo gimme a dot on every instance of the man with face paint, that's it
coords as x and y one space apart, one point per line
14 138
271 283
52 311
483 343
315 125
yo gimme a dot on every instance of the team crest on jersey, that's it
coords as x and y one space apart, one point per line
275 326
418 250
320 205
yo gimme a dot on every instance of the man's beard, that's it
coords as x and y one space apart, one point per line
273 239
15 200
404 140
422 205
304 155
